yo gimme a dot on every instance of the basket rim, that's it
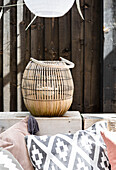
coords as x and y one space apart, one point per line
63 61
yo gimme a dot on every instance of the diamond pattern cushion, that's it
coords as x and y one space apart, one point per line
8 162
84 150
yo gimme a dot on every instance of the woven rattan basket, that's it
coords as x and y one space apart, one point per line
47 87
112 124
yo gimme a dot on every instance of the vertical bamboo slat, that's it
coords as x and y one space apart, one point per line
1 61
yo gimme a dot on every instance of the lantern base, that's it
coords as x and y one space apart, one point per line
48 108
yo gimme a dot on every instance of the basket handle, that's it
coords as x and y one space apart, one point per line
70 64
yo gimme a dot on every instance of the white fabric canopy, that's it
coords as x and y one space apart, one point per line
49 8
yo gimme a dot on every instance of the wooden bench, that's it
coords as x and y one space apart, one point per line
90 118
69 123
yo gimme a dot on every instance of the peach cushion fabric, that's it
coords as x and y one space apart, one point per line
110 141
13 140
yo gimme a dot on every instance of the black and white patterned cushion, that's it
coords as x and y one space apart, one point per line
8 162
84 150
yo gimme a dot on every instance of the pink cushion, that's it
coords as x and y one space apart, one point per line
110 141
13 140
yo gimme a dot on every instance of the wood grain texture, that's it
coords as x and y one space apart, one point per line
69 123
37 38
24 48
27 36
6 58
77 51
51 39
47 39
1 60
90 118
20 34
65 36
13 57
92 56
109 79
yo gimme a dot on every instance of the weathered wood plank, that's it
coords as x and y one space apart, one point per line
27 40
65 36
69 123
6 58
91 118
77 43
51 39
1 60
27 19
109 79
24 48
92 55
69 37
37 38
13 57
20 30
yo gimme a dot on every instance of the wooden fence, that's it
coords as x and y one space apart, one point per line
47 39
109 64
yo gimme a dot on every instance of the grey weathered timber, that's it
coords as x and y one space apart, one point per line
6 58
109 78
90 118
69 123
1 61
20 30
24 48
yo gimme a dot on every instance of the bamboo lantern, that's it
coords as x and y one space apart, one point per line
112 124
47 87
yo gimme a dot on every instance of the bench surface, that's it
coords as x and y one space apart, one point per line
90 118
70 122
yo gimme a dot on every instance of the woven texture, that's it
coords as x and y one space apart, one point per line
47 91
